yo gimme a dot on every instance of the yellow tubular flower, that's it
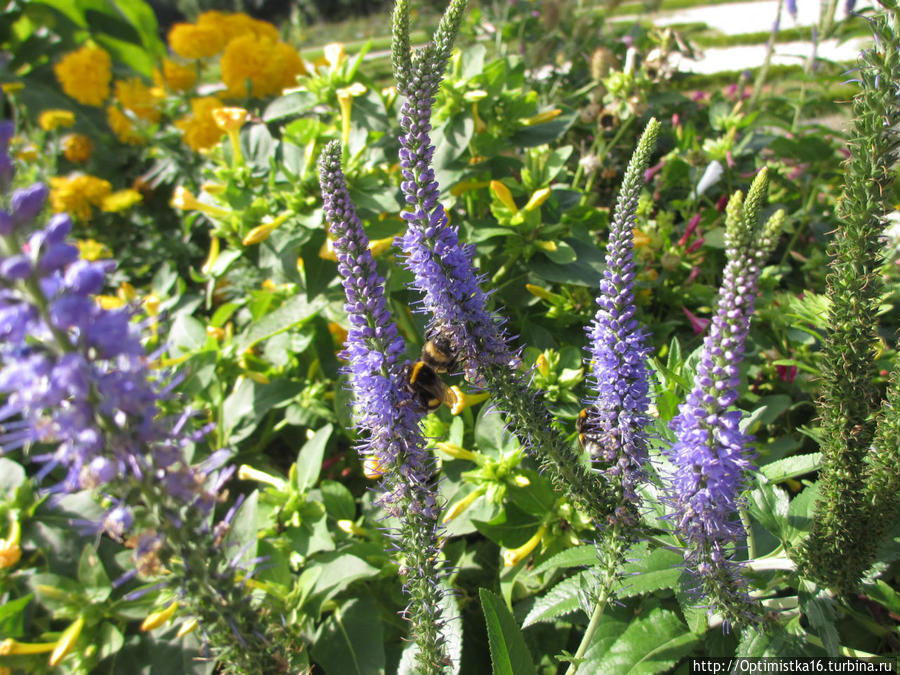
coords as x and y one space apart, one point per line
77 148
54 119
10 552
230 120
157 619
261 232
345 100
184 200
215 332
334 54
538 198
66 641
85 74
462 400
10 647
199 128
541 118
212 257
350 527
195 42
247 472
502 193
188 626
461 505
514 556
456 452
121 200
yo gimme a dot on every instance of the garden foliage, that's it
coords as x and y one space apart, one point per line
524 353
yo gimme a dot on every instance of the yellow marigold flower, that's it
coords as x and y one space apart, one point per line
54 119
122 126
137 97
640 238
77 194
236 25
85 74
263 64
200 129
91 249
120 200
175 76
196 42
77 148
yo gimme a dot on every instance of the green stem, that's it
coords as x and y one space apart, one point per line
764 69
588 636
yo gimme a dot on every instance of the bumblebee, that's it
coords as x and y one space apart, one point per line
593 440
426 387
439 354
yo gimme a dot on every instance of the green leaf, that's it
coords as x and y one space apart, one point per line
883 594
242 535
338 500
768 504
559 600
92 575
661 569
12 616
309 461
339 569
791 467
12 475
653 643
511 528
246 406
509 653
289 105
294 312
770 407
578 556
541 134
563 254
350 641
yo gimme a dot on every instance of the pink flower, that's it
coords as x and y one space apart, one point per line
699 325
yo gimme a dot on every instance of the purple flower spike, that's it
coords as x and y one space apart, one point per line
618 347
443 267
27 203
710 454
385 410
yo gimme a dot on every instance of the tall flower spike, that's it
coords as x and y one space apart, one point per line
617 414
386 413
452 295
839 547
709 456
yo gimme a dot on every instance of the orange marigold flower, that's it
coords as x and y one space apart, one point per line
85 74
77 194
266 66
200 129
54 119
195 42
77 148
175 76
